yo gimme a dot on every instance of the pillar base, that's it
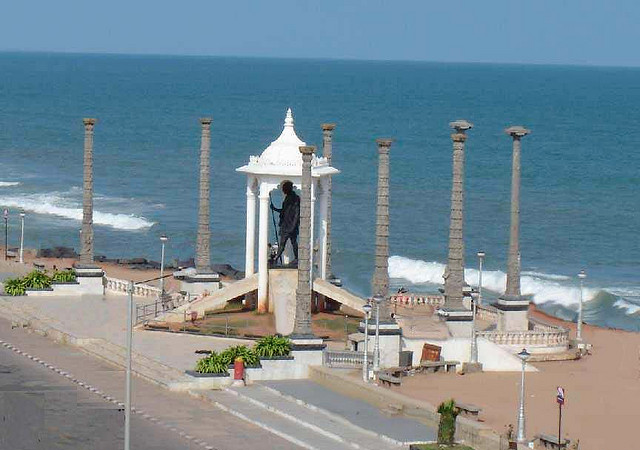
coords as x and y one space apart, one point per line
198 283
513 312
390 342
307 350
469 367
90 278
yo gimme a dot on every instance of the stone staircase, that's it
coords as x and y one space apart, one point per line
305 425
141 365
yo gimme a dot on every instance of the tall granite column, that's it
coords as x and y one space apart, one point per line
86 239
380 284
203 242
454 273
513 264
302 319
327 150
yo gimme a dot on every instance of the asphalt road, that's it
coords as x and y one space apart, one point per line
42 409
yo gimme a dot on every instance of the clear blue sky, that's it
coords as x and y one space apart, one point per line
603 32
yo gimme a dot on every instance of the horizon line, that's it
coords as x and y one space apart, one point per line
317 58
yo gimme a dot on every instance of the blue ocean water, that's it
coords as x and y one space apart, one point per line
580 181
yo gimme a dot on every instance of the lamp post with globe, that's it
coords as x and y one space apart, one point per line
365 366
521 437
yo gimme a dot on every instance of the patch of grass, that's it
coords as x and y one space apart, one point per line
337 324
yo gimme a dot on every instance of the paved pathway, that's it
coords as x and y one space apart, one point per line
200 425
92 316
359 413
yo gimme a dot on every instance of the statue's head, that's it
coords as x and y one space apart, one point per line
287 187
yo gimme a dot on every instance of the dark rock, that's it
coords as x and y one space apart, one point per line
57 252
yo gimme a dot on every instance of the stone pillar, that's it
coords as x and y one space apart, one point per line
380 284
327 152
204 280
513 264
86 238
88 275
203 255
514 306
250 248
302 322
263 250
454 309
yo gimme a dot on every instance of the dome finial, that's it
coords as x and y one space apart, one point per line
288 121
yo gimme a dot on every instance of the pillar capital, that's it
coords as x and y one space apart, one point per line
307 150
384 144
517 131
328 126
205 121
461 126
89 122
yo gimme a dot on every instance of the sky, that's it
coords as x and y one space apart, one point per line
585 32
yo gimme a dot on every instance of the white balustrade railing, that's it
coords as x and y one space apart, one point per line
555 338
139 290
345 358
488 313
410 299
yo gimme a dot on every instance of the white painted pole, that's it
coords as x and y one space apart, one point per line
127 395
22 214
376 344
582 275
365 365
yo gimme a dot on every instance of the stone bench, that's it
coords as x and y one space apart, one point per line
386 378
469 410
550 441
38 267
435 366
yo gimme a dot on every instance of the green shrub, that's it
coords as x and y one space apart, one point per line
37 280
212 364
273 346
249 356
63 276
14 286
447 426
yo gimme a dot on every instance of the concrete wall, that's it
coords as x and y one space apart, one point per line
493 357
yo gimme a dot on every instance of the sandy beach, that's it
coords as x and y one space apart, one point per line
602 391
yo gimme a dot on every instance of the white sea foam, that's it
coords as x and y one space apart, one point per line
543 287
631 308
58 205
9 183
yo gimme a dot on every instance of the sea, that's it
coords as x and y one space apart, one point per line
580 194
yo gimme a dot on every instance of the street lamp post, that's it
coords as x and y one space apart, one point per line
524 356
481 256
581 276
163 239
376 344
6 234
127 394
365 366
474 336
22 214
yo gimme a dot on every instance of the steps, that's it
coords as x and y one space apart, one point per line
141 365
305 425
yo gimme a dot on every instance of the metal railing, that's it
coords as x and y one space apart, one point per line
161 305
345 358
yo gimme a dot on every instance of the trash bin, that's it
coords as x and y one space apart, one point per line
406 358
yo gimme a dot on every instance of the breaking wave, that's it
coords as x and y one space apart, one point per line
9 183
56 205
544 288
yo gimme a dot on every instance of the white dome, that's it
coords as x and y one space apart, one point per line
284 151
